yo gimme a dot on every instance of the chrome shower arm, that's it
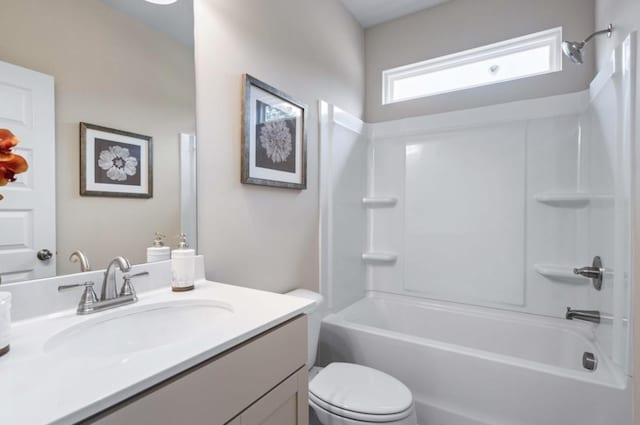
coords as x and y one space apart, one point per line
607 31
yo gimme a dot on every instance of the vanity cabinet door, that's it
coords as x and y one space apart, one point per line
286 404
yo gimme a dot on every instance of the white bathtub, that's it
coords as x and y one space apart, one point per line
478 366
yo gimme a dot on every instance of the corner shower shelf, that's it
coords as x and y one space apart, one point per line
559 273
380 258
570 199
379 202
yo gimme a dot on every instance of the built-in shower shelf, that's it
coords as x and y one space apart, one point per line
379 258
379 202
570 199
559 273
566 199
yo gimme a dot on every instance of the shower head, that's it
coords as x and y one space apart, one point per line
573 49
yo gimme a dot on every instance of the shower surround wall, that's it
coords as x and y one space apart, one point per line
473 220
497 205
467 226
491 206
343 181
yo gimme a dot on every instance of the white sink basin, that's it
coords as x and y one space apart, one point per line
139 328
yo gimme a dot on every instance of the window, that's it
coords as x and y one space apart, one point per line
521 57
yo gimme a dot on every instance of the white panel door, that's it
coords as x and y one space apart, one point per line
27 212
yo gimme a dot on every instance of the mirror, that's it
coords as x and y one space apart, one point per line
123 65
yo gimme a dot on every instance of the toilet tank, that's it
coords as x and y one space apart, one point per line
314 318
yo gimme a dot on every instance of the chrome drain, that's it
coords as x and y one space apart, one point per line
589 361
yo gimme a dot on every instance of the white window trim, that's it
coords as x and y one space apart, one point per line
551 38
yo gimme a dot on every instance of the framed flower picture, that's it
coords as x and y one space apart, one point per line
115 163
274 145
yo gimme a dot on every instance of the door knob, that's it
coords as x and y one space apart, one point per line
44 255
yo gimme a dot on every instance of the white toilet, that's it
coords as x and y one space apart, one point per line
351 394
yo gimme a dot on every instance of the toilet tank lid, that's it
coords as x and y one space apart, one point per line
308 295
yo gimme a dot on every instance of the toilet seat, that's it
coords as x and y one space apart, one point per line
357 416
360 393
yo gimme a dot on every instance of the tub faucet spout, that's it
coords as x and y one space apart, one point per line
588 315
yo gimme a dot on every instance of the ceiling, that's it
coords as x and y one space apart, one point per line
373 12
175 20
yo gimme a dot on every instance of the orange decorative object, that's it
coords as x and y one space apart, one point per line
10 163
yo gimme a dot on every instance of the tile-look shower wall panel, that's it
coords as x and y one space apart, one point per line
387 180
556 234
601 214
608 174
465 215
556 148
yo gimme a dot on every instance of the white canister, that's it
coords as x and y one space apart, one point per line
5 321
158 252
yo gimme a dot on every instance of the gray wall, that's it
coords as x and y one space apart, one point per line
256 236
464 24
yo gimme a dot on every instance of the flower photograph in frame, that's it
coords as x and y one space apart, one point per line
274 142
115 163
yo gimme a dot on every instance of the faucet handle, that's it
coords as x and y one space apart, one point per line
88 298
127 287
131 276
64 288
595 272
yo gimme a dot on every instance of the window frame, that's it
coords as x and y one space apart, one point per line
551 38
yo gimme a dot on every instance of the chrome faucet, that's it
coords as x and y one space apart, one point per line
110 296
82 258
110 293
587 315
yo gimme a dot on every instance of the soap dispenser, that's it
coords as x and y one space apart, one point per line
158 252
183 266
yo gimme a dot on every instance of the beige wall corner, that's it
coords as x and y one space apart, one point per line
256 236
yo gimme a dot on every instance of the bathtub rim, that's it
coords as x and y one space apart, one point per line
613 375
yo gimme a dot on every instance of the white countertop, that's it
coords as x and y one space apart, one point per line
39 388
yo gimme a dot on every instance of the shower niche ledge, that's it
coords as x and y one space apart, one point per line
570 199
379 202
380 258
560 273
564 199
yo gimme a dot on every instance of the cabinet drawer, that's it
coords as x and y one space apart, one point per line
214 392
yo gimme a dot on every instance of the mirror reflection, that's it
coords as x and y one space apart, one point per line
125 69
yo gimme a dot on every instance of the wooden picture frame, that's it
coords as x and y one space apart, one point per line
274 137
115 163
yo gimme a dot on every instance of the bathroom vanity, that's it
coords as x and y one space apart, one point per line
260 382
217 355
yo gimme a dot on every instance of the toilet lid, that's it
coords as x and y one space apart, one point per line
360 389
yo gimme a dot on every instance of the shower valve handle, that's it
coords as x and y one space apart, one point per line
589 272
